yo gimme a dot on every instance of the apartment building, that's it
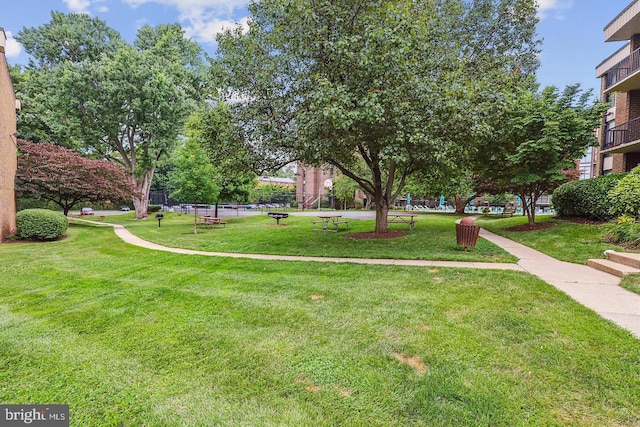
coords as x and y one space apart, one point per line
8 159
620 85
312 185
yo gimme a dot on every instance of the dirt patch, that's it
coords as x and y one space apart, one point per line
316 296
536 226
372 235
343 391
415 362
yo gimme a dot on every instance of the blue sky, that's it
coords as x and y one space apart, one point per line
572 30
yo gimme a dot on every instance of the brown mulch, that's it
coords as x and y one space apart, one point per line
372 235
10 241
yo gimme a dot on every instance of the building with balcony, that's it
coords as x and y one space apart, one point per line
620 85
8 148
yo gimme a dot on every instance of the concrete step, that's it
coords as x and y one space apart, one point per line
612 267
626 258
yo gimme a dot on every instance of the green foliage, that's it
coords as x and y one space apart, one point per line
399 86
154 208
588 198
625 196
234 163
126 103
40 224
626 231
194 179
534 150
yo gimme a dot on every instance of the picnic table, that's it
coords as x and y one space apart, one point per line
211 221
329 223
402 218
278 216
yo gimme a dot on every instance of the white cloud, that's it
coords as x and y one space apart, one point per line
202 19
12 48
205 31
554 8
78 6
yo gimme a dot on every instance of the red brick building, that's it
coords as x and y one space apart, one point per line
8 159
313 185
620 85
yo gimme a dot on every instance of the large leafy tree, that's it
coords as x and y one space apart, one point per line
194 179
535 149
398 85
51 172
126 104
235 163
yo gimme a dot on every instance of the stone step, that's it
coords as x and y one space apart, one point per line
612 267
626 258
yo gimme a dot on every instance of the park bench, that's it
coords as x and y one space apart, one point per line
278 216
508 210
208 222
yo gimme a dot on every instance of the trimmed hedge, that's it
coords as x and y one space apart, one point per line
40 224
588 198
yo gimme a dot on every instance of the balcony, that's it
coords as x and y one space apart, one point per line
625 75
624 138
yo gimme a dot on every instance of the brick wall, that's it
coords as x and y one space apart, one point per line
8 158
313 185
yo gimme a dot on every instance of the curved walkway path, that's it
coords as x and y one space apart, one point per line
592 288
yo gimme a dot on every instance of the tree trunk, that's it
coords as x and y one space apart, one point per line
382 210
461 203
215 210
195 218
142 186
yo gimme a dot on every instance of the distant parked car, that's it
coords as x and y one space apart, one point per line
125 208
87 211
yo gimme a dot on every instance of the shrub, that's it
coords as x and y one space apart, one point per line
625 196
40 224
626 230
153 208
587 198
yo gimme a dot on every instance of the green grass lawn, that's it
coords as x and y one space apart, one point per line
129 336
434 238
565 240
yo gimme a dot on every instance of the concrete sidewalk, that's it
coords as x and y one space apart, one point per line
592 288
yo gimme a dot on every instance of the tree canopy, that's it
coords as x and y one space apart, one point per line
51 172
542 136
399 85
194 179
105 98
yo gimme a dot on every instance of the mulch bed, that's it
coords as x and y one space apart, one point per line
10 241
372 235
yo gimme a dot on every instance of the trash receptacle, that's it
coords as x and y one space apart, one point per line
467 233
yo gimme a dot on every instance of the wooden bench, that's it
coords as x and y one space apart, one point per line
508 210
209 222
399 218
